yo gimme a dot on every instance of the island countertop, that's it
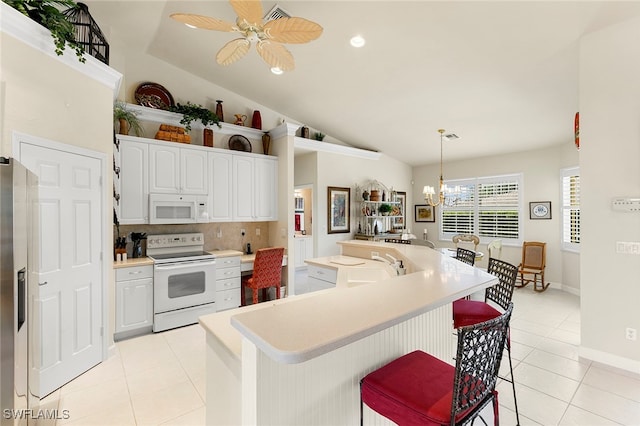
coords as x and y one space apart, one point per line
297 329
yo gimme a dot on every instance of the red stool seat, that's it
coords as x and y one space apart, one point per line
469 312
415 389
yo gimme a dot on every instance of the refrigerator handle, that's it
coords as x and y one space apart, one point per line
22 297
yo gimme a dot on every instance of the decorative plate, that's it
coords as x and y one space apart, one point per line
239 143
153 95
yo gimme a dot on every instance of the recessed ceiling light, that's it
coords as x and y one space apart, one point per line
276 70
357 41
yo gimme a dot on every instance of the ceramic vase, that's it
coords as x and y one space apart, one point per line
219 112
256 120
207 138
124 127
266 143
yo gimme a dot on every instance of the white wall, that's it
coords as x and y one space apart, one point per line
346 171
609 162
541 174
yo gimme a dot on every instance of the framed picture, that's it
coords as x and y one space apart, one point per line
400 222
338 202
540 210
425 213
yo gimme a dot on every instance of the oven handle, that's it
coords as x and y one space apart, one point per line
182 265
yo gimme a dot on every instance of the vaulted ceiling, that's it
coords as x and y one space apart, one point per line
501 75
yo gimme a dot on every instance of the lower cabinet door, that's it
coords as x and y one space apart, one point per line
134 304
227 299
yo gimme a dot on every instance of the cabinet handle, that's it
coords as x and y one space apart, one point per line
134 273
43 283
320 273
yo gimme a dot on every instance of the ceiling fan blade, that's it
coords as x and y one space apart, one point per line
292 30
233 51
276 55
203 22
248 10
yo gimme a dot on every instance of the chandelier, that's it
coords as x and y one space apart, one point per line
429 191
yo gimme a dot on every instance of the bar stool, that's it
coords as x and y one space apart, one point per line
420 389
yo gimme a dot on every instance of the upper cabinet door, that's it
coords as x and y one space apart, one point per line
243 188
266 189
220 195
164 169
193 174
134 190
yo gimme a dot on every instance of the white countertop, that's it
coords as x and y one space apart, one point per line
299 328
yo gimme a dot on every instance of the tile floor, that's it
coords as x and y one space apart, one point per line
159 379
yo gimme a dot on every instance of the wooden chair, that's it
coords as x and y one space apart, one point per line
532 265
420 389
267 272
467 312
466 256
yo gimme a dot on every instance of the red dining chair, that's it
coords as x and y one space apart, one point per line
469 312
420 389
267 272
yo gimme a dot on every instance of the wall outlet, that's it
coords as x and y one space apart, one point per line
242 232
631 333
219 233
258 231
375 253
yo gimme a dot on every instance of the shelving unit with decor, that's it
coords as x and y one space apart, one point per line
371 221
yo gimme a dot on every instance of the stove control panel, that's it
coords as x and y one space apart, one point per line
175 240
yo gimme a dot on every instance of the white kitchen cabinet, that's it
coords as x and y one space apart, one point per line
303 249
321 278
176 170
228 283
133 182
220 190
134 301
255 188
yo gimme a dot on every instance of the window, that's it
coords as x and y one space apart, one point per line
490 207
571 208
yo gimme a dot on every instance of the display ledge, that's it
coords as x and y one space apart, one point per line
310 145
38 37
173 118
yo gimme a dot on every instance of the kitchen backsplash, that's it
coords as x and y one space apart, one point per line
230 235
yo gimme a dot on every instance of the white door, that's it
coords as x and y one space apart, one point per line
69 273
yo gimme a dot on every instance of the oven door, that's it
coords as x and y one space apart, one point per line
183 284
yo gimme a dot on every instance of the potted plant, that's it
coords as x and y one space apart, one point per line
47 14
193 112
384 209
127 119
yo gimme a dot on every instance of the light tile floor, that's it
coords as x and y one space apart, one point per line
159 379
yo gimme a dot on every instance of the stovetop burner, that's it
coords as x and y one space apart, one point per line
177 248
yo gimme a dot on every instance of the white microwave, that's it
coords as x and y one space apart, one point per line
174 208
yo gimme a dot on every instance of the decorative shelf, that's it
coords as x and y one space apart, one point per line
167 117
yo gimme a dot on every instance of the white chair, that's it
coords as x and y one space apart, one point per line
495 249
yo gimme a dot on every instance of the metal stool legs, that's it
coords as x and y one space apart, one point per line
513 382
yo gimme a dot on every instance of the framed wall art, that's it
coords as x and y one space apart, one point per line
425 213
399 223
338 202
540 210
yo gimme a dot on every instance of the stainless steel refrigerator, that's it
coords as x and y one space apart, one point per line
17 186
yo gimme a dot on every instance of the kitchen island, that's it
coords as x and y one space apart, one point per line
299 360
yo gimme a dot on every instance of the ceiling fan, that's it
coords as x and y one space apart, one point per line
267 36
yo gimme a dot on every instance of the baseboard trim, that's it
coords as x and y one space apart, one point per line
610 359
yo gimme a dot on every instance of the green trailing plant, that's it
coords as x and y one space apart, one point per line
48 14
194 112
120 112
319 136
385 208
